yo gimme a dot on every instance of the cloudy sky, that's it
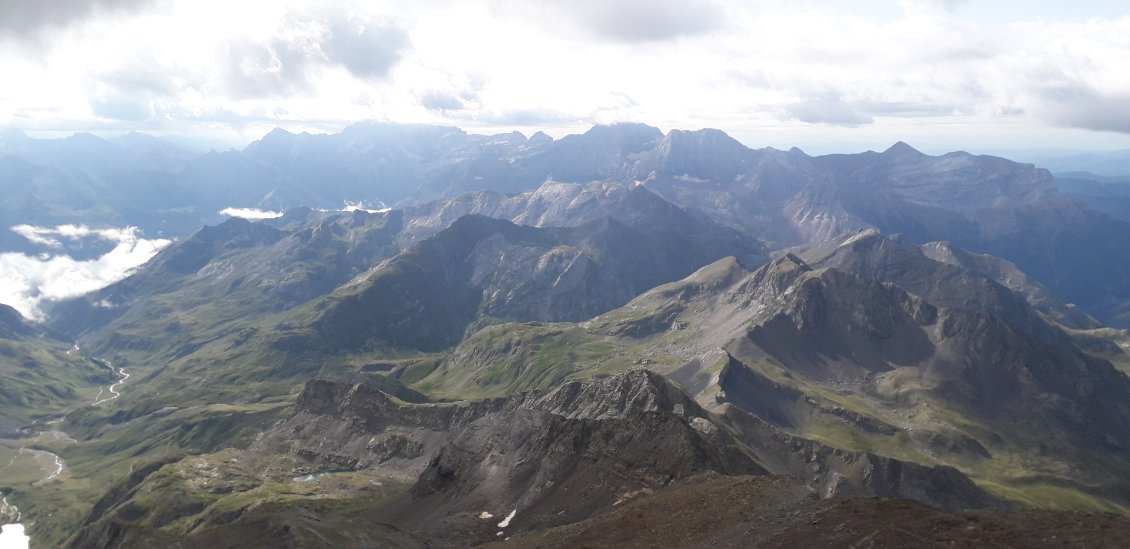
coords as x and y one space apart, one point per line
842 76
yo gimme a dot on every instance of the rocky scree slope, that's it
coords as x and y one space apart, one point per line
816 349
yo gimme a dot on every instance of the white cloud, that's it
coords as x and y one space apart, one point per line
27 282
50 236
765 72
826 110
368 49
250 213
628 21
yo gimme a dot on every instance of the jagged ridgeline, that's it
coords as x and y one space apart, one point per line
543 335
984 204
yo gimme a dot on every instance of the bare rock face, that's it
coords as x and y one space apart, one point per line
635 392
337 423
947 276
553 470
834 326
565 455
358 426
559 457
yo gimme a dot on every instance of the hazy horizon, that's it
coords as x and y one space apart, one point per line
203 143
942 75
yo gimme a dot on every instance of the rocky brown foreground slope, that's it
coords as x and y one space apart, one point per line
473 470
718 511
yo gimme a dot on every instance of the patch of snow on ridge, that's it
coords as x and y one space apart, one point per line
355 206
506 522
360 206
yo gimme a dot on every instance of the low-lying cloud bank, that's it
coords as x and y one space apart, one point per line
53 237
250 213
255 214
27 282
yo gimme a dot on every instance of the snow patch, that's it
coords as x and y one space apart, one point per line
506 522
360 206
12 536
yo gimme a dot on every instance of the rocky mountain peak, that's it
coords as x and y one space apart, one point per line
788 266
629 134
276 142
767 283
902 150
700 141
631 392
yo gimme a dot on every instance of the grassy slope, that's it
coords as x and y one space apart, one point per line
510 358
110 446
229 379
40 377
231 388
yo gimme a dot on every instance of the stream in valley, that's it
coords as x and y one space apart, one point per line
12 531
112 389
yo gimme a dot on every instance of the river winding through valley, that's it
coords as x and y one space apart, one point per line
113 389
12 533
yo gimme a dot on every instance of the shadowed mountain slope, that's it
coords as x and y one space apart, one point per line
482 267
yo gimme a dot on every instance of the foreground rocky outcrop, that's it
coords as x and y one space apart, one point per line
739 512
558 457
472 470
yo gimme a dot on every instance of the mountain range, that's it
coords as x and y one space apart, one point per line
523 337
983 204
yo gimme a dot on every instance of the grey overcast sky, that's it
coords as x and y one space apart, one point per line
825 76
